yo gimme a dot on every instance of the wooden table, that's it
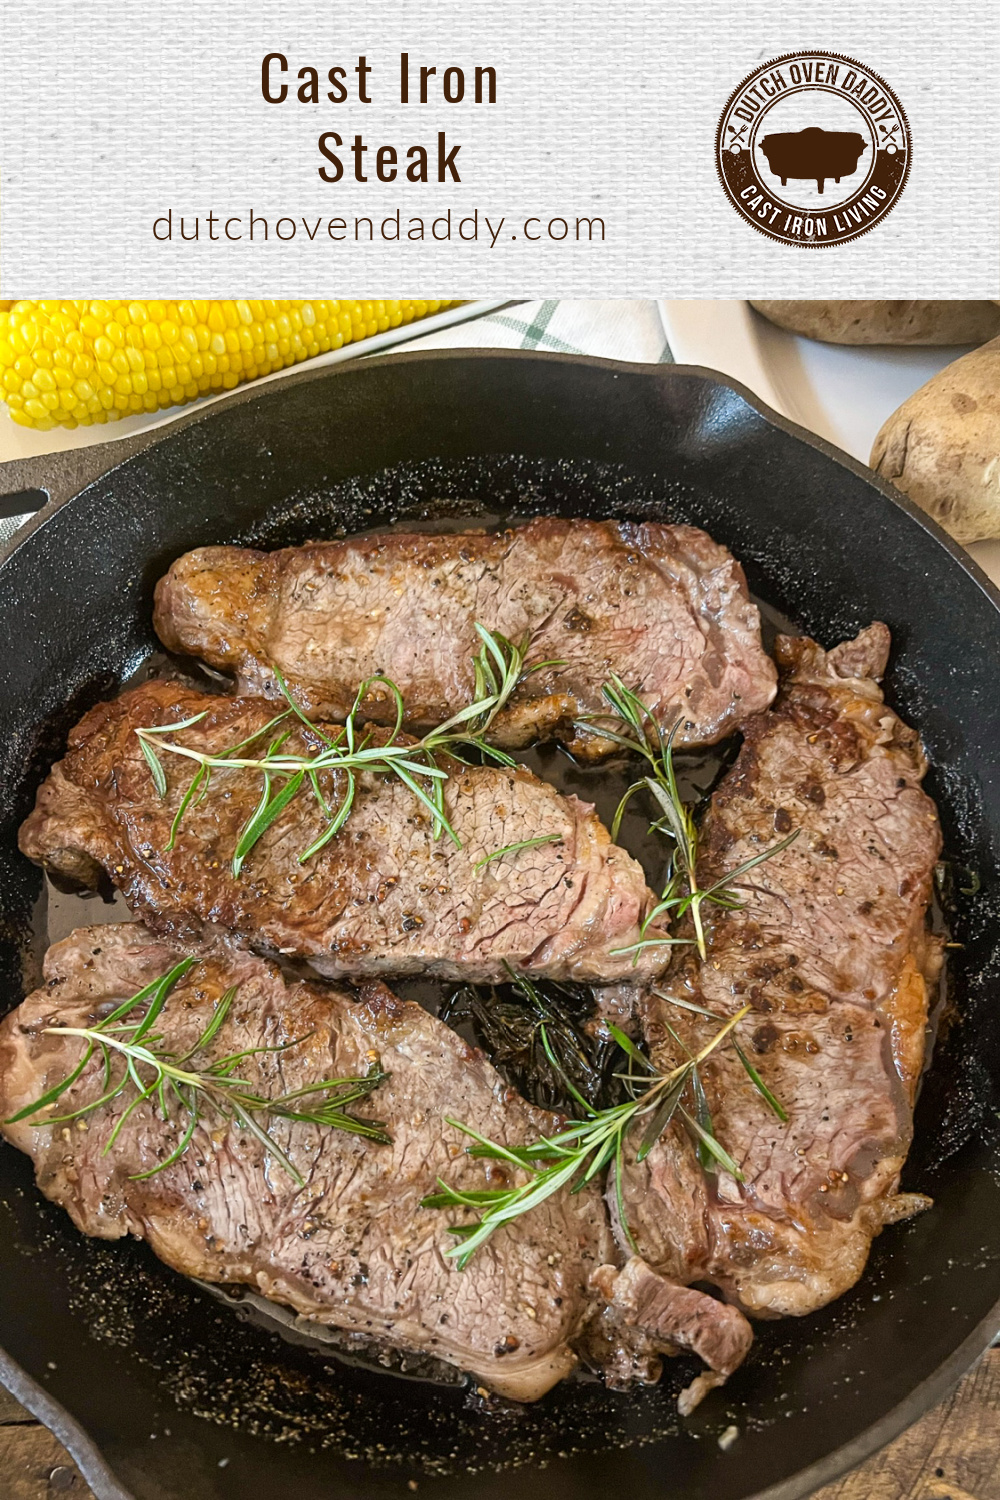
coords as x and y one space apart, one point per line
953 1453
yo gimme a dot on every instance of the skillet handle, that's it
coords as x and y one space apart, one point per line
26 484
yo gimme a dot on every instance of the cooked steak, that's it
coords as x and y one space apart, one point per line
352 1247
384 897
647 1310
665 607
832 952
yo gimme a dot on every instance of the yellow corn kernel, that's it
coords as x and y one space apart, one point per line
70 364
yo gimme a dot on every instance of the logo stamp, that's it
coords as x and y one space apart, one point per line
813 149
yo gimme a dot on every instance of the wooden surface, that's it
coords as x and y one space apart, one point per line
953 1453
33 1466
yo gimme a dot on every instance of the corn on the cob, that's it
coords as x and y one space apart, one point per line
68 364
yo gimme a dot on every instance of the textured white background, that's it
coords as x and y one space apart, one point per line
113 113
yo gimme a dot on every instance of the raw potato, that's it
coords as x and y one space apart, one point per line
942 447
887 322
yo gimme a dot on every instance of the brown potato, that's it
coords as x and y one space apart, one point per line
942 446
887 322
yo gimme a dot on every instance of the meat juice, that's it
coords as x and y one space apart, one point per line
603 785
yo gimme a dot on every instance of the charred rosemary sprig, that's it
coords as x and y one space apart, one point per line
521 1025
176 1086
643 735
591 1144
499 668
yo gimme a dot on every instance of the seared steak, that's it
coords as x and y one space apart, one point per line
384 897
646 1310
665 607
352 1248
832 953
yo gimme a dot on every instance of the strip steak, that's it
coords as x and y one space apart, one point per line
833 954
383 897
352 1248
665 607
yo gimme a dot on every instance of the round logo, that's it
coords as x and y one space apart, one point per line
813 149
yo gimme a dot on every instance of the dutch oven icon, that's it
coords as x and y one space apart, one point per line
813 153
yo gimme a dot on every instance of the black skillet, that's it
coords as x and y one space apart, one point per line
153 1384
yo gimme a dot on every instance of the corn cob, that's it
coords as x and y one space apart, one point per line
69 364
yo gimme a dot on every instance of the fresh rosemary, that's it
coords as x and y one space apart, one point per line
596 1141
175 1084
681 892
545 838
499 669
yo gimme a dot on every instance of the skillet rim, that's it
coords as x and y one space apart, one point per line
89 462
100 461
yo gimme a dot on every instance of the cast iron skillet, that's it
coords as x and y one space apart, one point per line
162 1391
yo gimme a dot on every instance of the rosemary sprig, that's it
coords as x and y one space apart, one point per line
770 1100
499 669
681 893
589 1145
176 1085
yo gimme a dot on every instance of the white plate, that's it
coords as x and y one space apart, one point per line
25 442
843 394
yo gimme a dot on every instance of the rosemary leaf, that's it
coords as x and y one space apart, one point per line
345 1090
704 1117
600 1160
661 1119
451 1197
149 991
749 864
175 1154
619 1171
219 1014
629 1047
699 1010
558 1068
545 838
337 819
245 1117
616 821
270 807
487 1147
51 1095
174 727
261 733
197 779
158 995
155 765
436 808
712 1146
657 942
770 1099
521 1201
298 711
